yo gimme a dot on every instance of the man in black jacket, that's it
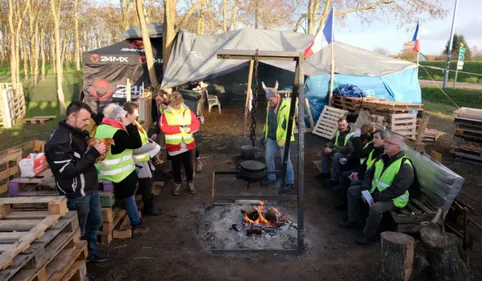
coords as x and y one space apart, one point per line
388 181
72 164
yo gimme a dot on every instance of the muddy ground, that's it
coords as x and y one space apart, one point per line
173 250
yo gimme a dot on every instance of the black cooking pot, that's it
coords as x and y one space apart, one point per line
252 170
247 152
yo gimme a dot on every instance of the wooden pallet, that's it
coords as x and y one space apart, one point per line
21 185
10 157
404 124
37 260
327 124
432 135
12 104
39 119
350 103
390 106
469 114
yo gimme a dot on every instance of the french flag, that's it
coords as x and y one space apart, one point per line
323 38
416 41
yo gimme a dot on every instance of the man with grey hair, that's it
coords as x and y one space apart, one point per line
387 182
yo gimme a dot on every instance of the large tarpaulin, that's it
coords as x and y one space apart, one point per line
194 56
106 71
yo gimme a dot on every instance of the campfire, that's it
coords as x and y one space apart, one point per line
258 220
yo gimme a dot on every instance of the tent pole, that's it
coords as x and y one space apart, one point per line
248 94
332 59
128 90
418 62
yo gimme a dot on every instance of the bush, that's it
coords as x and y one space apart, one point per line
471 79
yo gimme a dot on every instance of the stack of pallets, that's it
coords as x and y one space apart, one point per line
40 240
468 133
374 105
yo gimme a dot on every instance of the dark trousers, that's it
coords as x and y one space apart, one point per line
185 159
197 153
145 189
89 212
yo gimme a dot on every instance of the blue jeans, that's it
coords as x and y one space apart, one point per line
131 208
89 212
335 168
269 154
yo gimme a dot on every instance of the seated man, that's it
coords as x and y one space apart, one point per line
388 182
372 150
340 147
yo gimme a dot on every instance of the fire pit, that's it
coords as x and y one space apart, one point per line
246 228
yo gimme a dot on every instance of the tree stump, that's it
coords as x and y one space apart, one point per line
397 256
442 252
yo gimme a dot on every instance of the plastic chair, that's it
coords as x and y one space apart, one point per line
213 101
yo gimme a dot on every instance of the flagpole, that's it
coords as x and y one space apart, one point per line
418 52
332 59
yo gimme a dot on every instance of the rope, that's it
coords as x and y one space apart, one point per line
443 69
439 87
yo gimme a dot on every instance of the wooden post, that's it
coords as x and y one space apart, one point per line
332 72
248 94
397 256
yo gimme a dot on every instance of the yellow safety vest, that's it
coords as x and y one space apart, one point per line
115 167
173 119
382 181
283 114
143 157
362 160
347 138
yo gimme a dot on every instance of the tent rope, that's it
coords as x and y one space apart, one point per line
435 83
451 70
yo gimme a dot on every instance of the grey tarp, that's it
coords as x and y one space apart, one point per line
194 56
154 29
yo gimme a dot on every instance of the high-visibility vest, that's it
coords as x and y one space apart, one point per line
143 157
115 167
174 119
347 138
283 114
362 160
371 160
382 181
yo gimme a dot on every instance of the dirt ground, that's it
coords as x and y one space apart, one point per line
173 250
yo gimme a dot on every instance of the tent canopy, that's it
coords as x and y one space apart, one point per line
194 56
154 29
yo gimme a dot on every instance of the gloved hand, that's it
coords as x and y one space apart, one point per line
281 143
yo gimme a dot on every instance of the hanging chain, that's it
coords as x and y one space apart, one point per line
253 103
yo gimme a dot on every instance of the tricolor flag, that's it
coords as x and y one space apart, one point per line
323 38
416 41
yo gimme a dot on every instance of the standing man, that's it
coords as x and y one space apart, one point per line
275 130
340 147
388 182
72 163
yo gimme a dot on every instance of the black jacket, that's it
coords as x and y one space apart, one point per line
341 143
72 161
377 152
402 182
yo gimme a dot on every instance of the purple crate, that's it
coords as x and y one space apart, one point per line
106 186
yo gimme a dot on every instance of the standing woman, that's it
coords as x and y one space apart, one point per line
178 123
118 165
144 168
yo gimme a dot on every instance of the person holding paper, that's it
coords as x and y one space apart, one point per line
388 182
144 168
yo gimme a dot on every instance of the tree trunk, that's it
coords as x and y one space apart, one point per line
42 52
225 14
77 45
35 55
53 62
25 56
397 257
256 15
60 92
201 24
147 43
443 254
13 51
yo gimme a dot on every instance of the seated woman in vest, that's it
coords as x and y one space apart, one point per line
118 165
178 123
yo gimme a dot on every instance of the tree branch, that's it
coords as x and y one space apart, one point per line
188 15
326 10
367 8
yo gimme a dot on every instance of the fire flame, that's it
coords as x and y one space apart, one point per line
261 220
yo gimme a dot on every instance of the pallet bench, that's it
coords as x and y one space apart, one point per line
39 119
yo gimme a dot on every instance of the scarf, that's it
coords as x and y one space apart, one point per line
113 123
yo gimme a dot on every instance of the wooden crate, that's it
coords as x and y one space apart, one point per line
10 157
404 124
39 119
12 106
327 124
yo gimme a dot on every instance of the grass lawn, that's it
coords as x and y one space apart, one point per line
435 102
469 66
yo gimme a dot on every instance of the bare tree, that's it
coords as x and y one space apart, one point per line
55 6
77 43
147 43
